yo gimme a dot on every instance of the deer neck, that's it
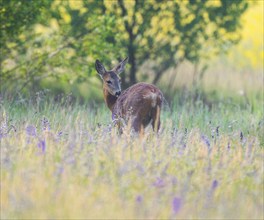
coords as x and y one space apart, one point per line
110 100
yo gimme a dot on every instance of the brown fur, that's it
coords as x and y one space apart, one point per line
139 105
110 100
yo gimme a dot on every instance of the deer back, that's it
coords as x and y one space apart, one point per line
140 103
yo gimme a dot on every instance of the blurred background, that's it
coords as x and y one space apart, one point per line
208 50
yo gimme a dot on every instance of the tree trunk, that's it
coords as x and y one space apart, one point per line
131 46
132 61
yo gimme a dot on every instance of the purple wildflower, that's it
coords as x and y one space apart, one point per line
114 117
241 136
159 183
210 193
228 145
59 135
217 131
185 132
139 198
2 133
45 124
31 130
206 141
42 145
214 184
176 204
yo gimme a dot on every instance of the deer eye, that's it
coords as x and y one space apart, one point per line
109 82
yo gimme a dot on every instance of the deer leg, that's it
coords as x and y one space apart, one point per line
155 114
137 125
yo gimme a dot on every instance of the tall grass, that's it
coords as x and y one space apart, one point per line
63 160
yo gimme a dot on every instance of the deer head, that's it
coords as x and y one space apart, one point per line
111 79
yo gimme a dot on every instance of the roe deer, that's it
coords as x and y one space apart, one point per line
140 104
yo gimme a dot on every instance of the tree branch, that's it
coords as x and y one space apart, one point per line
163 67
131 46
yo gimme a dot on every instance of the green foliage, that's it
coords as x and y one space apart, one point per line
16 16
169 32
60 40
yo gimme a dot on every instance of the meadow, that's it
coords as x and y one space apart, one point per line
64 160
61 155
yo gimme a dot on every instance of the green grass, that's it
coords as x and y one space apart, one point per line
203 163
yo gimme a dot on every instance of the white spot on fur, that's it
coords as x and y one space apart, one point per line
153 97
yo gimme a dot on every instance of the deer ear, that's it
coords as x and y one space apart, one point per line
100 68
120 67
